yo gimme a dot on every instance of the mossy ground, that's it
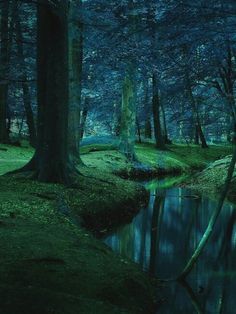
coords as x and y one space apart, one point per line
176 159
50 263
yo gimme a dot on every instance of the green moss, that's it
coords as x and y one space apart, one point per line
96 147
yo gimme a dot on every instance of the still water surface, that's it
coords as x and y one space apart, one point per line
163 236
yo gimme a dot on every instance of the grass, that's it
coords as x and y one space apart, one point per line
12 157
181 157
177 158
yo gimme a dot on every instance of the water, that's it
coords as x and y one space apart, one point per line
163 236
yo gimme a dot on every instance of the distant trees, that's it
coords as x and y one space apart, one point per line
4 67
174 58
224 83
25 85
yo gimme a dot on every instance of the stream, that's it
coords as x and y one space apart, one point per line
163 236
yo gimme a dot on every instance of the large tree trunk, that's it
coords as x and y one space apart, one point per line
160 142
25 86
4 60
75 70
51 160
128 118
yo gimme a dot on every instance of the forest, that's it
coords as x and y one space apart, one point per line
117 156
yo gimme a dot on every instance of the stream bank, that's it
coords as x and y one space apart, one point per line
50 262
163 236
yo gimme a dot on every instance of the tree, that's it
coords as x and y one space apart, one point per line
50 162
156 107
128 117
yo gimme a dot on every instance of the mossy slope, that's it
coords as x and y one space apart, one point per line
51 264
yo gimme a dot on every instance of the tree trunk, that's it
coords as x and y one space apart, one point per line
201 134
128 117
83 119
75 70
138 131
148 128
4 60
117 119
160 142
166 137
51 160
148 124
25 86
195 113
196 138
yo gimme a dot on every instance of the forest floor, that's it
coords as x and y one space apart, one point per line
50 260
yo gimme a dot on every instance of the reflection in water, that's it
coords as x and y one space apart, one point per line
162 238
